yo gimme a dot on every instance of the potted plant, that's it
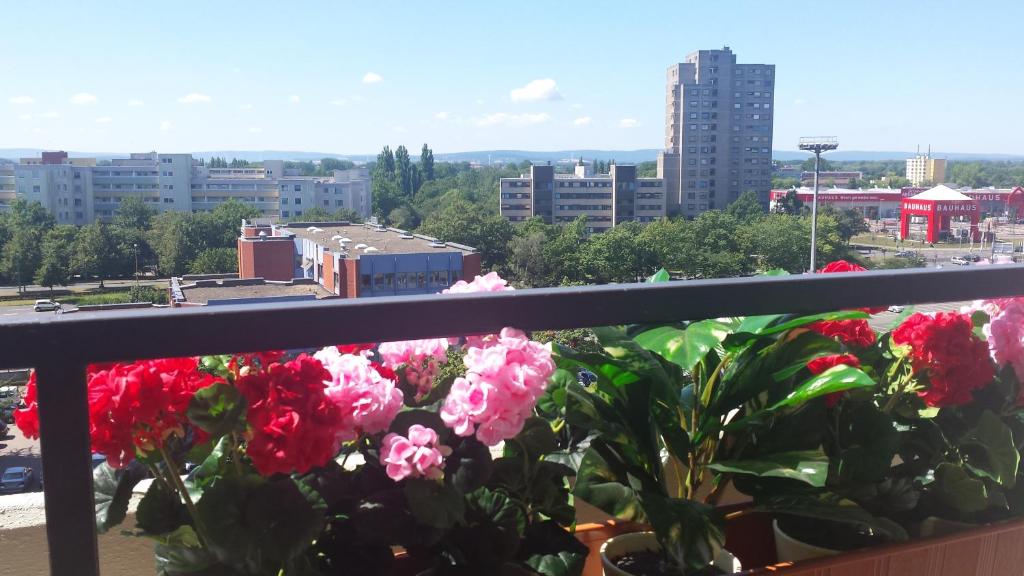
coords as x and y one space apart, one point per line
319 464
933 449
678 411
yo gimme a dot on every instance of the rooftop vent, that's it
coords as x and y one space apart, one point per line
310 228
406 236
344 239
263 235
361 246
370 249
336 237
436 244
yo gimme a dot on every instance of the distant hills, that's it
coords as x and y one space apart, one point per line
504 156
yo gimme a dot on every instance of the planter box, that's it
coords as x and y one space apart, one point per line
994 550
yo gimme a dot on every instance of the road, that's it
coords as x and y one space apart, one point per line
35 292
9 313
885 321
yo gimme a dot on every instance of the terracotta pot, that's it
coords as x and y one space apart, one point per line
789 549
646 541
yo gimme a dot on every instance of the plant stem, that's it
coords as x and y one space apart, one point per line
183 491
160 477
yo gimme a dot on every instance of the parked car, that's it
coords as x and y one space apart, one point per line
98 459
896 309
45 306
906 254
959 260
17 479
972 257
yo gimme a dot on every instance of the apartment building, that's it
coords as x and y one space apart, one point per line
718 131
923 170
7 189
605 199
80 191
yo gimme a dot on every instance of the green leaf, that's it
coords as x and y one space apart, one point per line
690 532
810 467
659 276
469 465
213 467
216 365
491 534
831 508
255 525
218 409
606 487
179 554
868 441
551 550
805 320
112 490
835 379
160 511
775 272
989 450
534 441
956 489
683 347
435 504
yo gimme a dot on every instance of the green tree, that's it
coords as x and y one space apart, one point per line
463 223
790 204
403 171
746 208
713 247
94 254
427 163
25 225
134 213
314 214
176 239
225 222
386 197
526 261
404 217
346 215
55 264
849 222
621 254
215 261
824 165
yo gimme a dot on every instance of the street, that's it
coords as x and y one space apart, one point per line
16 450
36 292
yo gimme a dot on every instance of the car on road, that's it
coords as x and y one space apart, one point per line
960 261
45 306
906 254
972 257
895 309
17 479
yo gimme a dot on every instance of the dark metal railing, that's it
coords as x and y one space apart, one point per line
60 347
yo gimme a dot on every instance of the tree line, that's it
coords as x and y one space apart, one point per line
35 249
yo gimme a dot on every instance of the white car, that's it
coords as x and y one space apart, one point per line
44 305
895 309
959 261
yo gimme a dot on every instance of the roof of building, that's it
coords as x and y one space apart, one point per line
197 290
385 240
941 192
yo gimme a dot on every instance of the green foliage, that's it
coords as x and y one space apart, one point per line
215 261
465 223
746 208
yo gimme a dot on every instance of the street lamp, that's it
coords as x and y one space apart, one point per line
816 144
135 246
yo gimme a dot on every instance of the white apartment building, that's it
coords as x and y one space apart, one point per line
718 131
924 170
78 191
7 189
605 199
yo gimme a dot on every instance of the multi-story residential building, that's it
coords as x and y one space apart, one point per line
924 170
605 199
354 260
7 189
78 191
718 131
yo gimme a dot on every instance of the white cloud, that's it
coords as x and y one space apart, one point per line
504 119
166 125
255 130
194 98
582 121
294 99
104 120
441 115
25 117
372 78
135 103
246 107
82 98
21 100
49 115
536 91
629 123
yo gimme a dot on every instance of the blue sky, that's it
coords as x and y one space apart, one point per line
348 77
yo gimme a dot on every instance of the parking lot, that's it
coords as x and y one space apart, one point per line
16 450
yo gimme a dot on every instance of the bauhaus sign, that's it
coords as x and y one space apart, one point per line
940 207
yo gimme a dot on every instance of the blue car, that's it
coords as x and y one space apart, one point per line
17 479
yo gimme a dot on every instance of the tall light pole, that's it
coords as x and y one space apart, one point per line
816 144
136 248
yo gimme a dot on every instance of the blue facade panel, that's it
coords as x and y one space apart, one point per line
404 274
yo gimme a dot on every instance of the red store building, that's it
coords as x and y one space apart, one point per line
934 208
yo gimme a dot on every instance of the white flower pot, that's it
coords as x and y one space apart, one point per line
789 549
640 541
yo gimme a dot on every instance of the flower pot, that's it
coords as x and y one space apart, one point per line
641 541
789 549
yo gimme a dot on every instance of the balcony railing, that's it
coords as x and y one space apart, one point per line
60 347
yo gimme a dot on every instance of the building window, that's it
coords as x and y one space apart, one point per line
364 281
284 201
285 214
298 201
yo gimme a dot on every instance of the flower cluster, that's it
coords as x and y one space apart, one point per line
421 359
295 426
855 332
364 392
490 282
1005 332
418 455
504 378
944 347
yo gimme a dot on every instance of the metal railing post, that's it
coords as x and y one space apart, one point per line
67 473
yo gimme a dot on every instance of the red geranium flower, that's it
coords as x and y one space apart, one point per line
945 348
844 266
823 363
294 424
857 332
354 348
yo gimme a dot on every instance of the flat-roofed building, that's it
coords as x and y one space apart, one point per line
354 260
605 199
